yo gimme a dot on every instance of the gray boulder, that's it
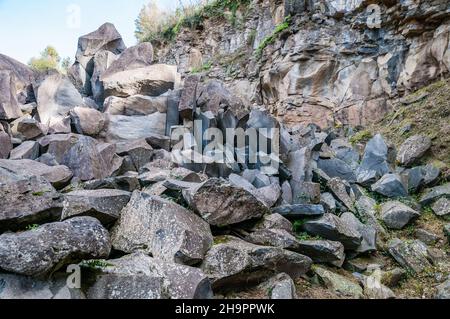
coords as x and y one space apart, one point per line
15 287
26 200
368 233
5 144
338 283
138 56
105 37
126 287
280 286
397 215
57 175
162 228
152 80
443 290
23 78
87 121
26 150
390 185
43 250
441 207
136 105
435 193
122 128
177 281
103 204
374 163
29 128
298 211
9 106
56 96
333 228
342 191
322 251
221 204
273 237
235 263
411 255
413 149
79 153
337 168
273 221
139 151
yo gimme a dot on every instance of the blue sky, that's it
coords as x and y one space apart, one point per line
27 27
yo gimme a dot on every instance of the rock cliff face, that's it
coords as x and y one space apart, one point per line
117 171
333 62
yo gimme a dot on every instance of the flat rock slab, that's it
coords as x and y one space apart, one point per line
103 204
162 228
40 251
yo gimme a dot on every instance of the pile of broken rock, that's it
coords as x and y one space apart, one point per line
87 178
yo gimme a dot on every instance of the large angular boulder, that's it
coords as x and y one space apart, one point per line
397 215
126 287
58 175
213 96
152 80
342 191
26 150
79 153
138 56
26 200
103 204
235 263
374 163
136 105
441 207
29 128
43 250
176 281
87 121
122 128
333 228
5 144
102 61
221 204
413 149
9 107
435 193
273 237
105 37
411 255
162 228
56 96
390 185
16 287
322 251
338 283
337 168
